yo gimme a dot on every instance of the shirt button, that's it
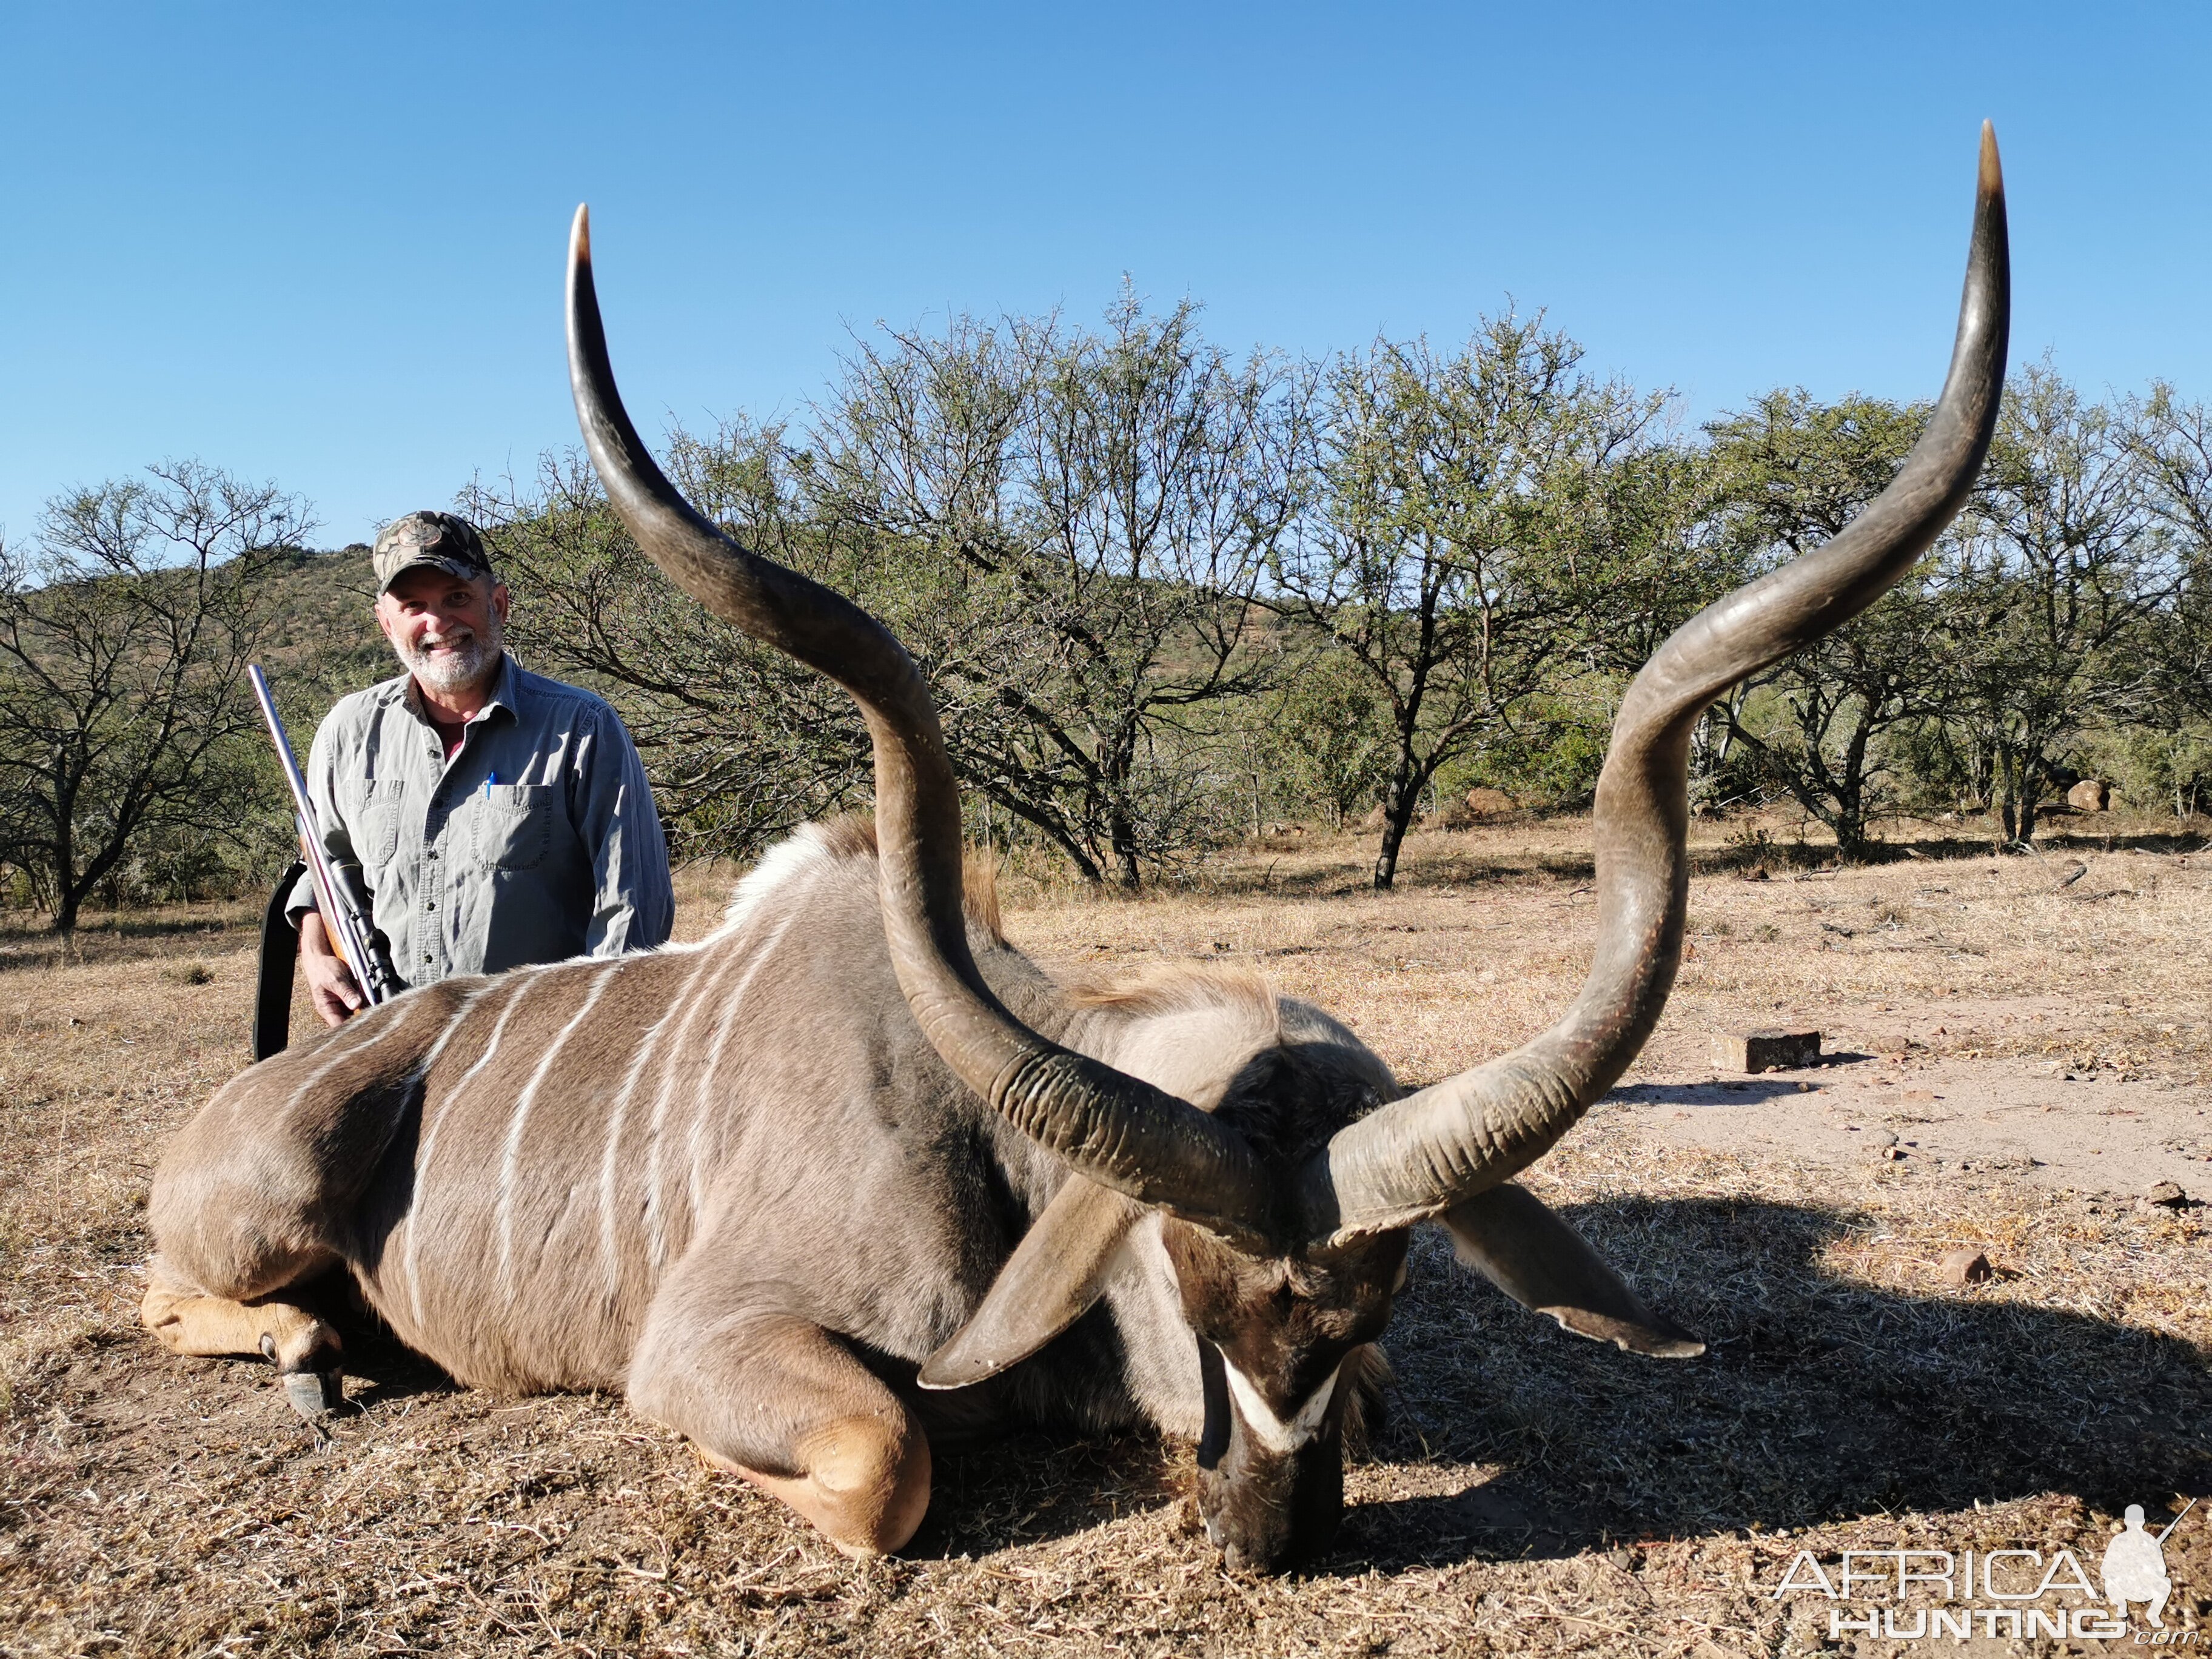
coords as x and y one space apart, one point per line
429 904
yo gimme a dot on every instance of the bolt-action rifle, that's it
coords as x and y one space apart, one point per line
339 897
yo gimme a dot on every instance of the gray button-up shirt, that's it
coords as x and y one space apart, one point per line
537 840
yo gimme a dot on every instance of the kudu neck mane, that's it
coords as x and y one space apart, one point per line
1284 1073
850 839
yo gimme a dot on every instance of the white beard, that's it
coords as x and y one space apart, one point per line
471 660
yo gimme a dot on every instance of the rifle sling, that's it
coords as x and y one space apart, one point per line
280 956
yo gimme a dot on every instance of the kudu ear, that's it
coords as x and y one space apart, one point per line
1510 1237
1055 1275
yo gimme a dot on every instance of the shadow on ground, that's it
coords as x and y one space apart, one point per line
1819 1400
1710 1093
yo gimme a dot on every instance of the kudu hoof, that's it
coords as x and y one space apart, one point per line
314 1395
314 1381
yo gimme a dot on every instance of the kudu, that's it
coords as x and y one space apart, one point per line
852 1173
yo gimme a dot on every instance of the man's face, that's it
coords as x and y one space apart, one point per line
446 632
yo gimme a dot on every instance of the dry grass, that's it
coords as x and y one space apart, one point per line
1531 1492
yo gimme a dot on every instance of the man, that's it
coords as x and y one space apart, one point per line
495 817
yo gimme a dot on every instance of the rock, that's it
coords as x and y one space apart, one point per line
1765 1050
2090 795
2169 1195
1965 1266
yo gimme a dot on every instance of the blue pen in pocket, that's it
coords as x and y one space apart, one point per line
489 781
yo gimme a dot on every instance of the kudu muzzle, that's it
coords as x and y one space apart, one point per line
1267 1508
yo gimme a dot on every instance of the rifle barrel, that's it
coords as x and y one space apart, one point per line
348 930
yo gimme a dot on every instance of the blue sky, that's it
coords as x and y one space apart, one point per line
323 245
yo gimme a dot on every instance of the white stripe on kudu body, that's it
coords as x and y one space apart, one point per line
344 1051
672 1067
777 866
703 1108
656 1212
610 1244
422 1187
460 1012
1269 1429
511 1154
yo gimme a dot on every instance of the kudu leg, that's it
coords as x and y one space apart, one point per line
237 1222
774 1397
252 1196
186 1320
223 1280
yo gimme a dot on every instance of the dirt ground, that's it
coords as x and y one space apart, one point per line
2018 1050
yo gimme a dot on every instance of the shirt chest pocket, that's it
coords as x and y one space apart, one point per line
374 822
515 825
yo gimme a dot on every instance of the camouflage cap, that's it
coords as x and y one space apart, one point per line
434 541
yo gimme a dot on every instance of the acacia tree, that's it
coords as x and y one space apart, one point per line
1666 555
2048 590
1788 475
1453 554
125 635
1325 732
1072 524
2172 442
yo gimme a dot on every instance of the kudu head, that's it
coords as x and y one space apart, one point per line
1287 1197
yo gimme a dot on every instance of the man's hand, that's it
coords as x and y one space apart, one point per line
330 983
